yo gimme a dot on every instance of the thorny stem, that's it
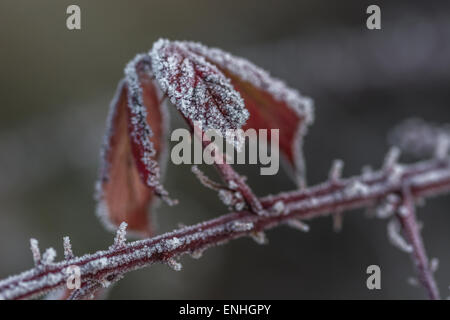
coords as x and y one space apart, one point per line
407 218
424 179
229 175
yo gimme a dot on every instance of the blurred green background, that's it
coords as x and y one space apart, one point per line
56 84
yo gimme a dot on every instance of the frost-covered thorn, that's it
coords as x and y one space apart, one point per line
434 264
391 158
120 239
442 147
366 171
278 208
68 254
197 254
396 239
338 218
49 256
412 281
34 245
204 180
336 170
298 225
175 265
259 237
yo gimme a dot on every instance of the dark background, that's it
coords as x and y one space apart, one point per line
55 88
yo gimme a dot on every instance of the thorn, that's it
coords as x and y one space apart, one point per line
413 282
395 237
49 256
298 225
442 147
337 221
434 265
175 265
68 254
34 244
120 239
366 171
336 170
259 237
391 158
278 208
197 254
204 180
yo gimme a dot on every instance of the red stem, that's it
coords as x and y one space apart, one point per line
424 179
412 231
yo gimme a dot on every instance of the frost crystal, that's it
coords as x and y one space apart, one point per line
68 254
34 244
395 237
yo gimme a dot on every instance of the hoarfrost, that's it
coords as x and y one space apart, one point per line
49 256
196 87
396 239
120 238
34 244
391 158
336 170
68 254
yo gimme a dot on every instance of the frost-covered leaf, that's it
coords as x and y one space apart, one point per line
196 87
133 146
271 104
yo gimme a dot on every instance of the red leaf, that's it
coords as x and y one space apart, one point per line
196 87
271 104
130 173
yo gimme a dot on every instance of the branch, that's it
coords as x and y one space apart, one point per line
407 217
424 179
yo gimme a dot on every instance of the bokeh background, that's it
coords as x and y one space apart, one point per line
55 88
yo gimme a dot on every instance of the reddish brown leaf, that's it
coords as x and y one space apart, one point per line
130 173
271 104
196 87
